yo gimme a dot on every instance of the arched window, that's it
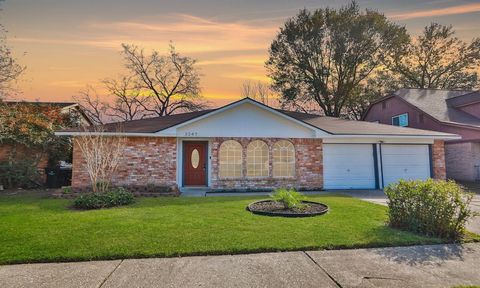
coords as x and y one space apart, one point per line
257 159
283 159
230 159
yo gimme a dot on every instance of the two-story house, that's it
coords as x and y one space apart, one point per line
450 111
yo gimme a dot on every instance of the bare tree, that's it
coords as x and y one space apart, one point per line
102 155
257 90
9 68
94 108
128 104
171 82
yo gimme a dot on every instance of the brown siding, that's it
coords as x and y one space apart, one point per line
394 106
148 164
308 167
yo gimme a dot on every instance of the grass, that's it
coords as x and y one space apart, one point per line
34 229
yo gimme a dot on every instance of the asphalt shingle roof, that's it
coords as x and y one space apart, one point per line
434 102
331 125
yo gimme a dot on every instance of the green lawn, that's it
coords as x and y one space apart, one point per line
34 229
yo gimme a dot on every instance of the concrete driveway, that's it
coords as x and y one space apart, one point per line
415 266
378 197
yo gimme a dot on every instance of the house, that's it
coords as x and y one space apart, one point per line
448 111
247 145
71 108
20 152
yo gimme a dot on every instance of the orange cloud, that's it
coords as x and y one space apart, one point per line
461 9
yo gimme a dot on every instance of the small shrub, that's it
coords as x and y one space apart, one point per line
22 173
67 189
289 198
117 197
434 208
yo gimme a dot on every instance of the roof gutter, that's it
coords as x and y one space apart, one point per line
114 134
436 137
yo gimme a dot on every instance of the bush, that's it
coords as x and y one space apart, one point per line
289 198
434 208
114 198
22 173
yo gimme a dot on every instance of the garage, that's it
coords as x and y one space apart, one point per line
349 166
409 162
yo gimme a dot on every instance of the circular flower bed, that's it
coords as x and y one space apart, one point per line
275 208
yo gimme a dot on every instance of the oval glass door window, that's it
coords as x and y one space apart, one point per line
195 158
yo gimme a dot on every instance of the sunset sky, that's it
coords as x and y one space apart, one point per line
67 44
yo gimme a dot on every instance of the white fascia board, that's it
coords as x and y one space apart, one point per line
435 137
318 131
114 134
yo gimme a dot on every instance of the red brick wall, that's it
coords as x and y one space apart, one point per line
462 160
438 151
148 165
308 167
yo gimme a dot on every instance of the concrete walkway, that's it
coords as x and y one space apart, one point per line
416 266
378 197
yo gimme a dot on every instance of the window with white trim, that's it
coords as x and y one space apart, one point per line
230 159
400 120
257 159
283 159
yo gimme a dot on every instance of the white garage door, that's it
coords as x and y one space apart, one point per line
409 162
348 166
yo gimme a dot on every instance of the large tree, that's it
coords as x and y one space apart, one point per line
128 103
325 56
438 59
166 83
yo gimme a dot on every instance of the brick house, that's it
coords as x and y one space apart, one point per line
449 111
247 145
20 151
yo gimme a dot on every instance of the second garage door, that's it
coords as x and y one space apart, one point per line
409 162
348 166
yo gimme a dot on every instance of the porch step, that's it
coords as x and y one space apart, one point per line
194 192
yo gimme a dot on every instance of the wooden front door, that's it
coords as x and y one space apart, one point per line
195 163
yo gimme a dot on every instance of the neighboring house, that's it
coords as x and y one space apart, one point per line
65 107
448 111
249 146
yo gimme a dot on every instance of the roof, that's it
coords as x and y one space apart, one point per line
436 103
339 126
466 99
59 104
331 125
148 125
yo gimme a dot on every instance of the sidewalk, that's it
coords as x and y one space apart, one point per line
416 266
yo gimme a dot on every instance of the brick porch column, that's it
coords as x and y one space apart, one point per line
438 158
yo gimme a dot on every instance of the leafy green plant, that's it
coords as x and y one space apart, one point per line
431 207
288 197
21 173
67 190
117 197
